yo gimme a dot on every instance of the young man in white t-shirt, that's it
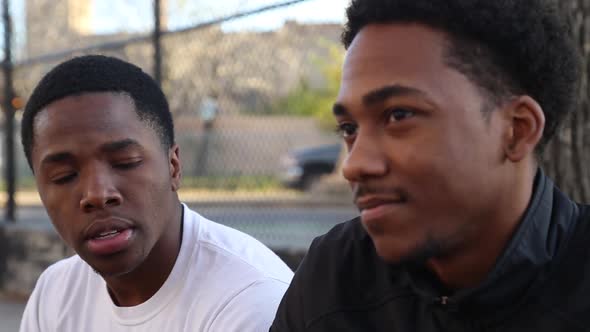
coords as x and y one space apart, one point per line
99 137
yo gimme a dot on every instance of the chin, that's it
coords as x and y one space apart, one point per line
113 266
112 271
405 253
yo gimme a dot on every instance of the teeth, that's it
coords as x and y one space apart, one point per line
107 234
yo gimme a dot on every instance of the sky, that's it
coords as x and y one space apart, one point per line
136 15
112 16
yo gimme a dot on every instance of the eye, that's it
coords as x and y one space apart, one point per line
346 129
127 164
63 179
399 114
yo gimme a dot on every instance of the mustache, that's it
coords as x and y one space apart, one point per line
361 190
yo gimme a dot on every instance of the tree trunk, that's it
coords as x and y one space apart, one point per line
566 158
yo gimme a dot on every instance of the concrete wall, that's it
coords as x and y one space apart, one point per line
24 253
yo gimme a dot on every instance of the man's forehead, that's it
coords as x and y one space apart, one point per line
73 122
393 42
107 146
394 54
100 106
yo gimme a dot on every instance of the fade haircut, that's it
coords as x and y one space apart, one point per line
98 73
506 47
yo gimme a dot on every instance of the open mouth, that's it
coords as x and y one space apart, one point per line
107 235
110 242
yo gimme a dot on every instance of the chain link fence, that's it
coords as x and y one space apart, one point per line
236 73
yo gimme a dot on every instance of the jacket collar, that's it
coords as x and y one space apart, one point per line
532 251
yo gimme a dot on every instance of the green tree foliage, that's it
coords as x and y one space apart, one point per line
316 102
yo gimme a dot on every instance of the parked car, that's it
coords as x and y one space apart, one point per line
301 168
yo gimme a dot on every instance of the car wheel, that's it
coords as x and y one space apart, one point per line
309 180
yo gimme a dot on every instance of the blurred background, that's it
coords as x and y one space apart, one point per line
250 84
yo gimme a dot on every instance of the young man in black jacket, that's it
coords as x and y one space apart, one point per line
444 107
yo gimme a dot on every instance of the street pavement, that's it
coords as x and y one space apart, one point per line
10 313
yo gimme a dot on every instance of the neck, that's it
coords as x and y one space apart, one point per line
143 282
469 264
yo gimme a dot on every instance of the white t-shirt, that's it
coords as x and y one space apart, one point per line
222 281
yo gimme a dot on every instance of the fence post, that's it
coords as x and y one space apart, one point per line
7 67
157 40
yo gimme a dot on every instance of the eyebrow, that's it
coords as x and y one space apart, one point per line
119 145
339 110
57 158
380 95
109 147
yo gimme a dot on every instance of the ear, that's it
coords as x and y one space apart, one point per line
526 123
175 166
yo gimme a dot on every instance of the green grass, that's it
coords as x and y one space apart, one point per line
23 183
235 182
218 182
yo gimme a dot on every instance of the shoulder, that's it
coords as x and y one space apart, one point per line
56 292
241 280
71 271
564 291
584 213
346 247
62 279
235 251
251 309
341 271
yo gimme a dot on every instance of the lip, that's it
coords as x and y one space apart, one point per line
99 242
372 202
103 225
374 209
379 212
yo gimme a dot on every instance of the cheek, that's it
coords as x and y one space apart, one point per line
62 219
425 156
449 187
144 194
140 185
437 169
147 188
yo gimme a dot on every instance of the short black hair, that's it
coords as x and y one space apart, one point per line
506 47
98 73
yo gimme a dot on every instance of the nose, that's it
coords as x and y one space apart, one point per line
99 191
365 159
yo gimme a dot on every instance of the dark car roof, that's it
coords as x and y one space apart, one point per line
320 152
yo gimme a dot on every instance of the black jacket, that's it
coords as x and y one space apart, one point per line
541 282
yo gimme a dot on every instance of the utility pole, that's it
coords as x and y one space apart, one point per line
157 40
9 114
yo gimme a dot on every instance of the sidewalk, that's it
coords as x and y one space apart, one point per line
10 314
